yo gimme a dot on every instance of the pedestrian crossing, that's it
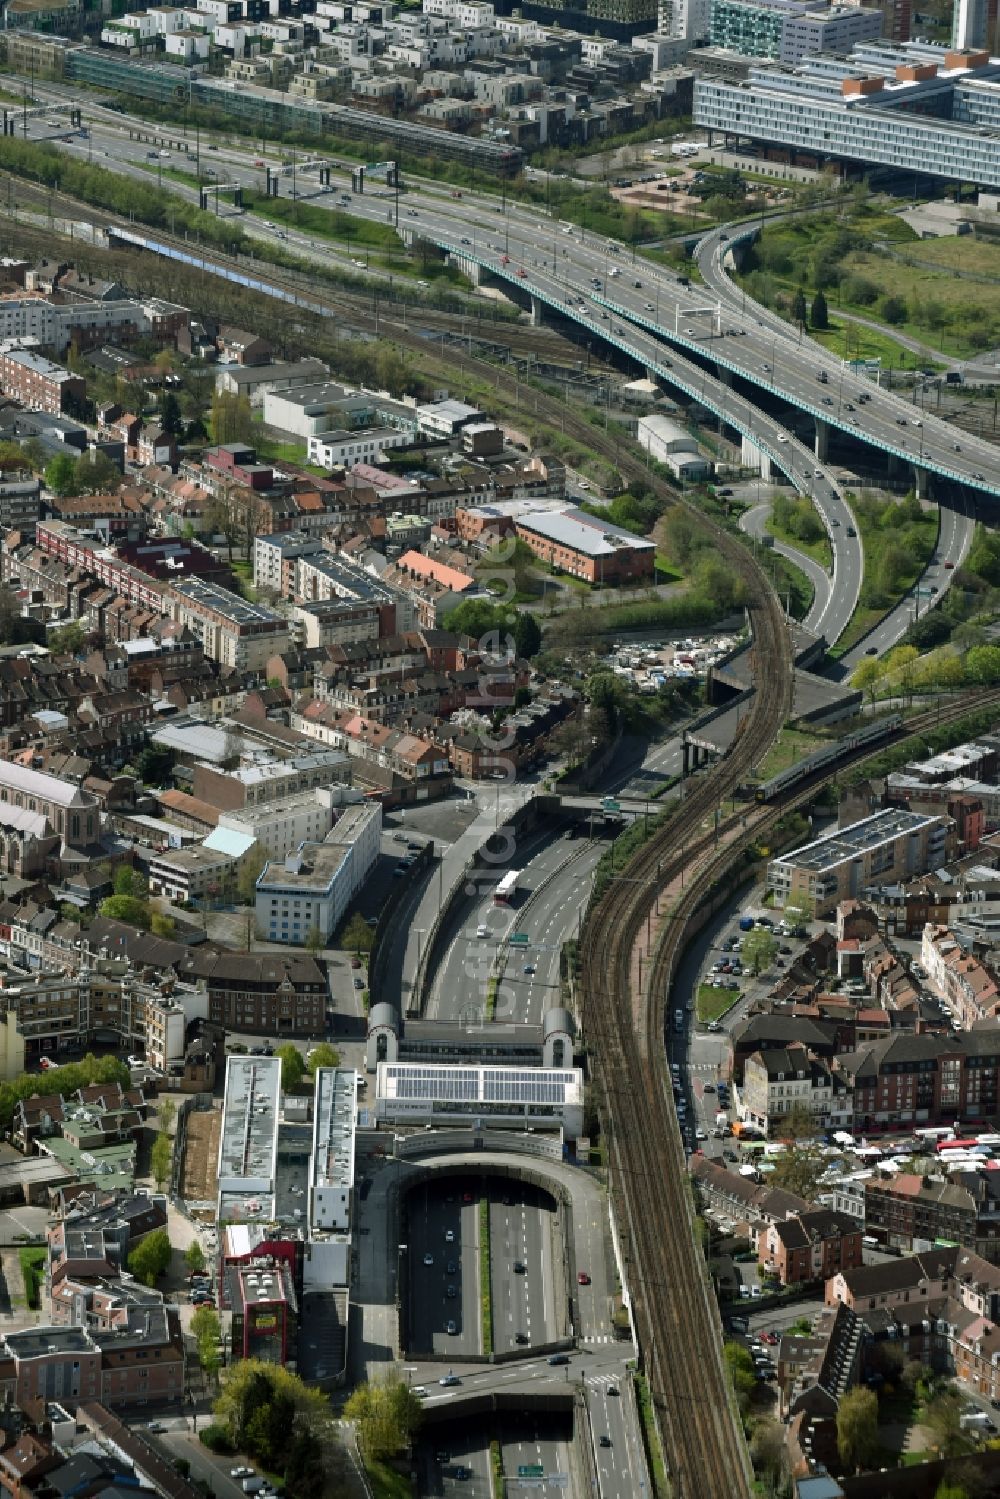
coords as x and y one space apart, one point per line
602 1382
599 1337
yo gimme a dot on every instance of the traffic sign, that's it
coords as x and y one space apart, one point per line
530 1470
519 939
610 805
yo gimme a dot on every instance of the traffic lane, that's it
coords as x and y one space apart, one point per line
454 1462
527 1444
521 1238
431 1218
620 1468
463 975
752 522
551 921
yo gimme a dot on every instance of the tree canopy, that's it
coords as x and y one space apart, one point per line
857 1429
150 1257
385 1415
64 1080
293 1066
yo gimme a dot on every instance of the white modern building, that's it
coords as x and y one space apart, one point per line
345 449
915 107
279 827
331 1165
248 1147
671 444
311 890
427 1093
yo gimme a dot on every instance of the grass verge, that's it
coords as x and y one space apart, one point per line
485 1291
496 1471
33 1271
899 538
651 1438
711 1003
387 1483
791 746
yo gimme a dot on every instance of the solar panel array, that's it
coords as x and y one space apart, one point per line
481 1085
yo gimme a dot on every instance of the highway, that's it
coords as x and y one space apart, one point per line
551 900
444 1294
753 522
577 260
522 1234
612 1413
958 525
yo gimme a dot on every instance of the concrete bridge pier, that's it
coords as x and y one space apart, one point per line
921 482
752 457
822 439
536 312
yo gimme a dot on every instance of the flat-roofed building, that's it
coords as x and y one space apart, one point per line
311 890
525 1098
586 546
891 845
232 631
248 1147
331 1165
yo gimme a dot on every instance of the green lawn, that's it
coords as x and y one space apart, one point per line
854 341
790 746
387 1483
711 1003
820 550
329 222
658 1471
33 1270
899 539
485 1287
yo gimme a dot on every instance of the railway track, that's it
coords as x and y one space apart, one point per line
676 1314
473 324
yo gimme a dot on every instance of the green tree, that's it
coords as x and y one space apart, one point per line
857 1429
94 473
894 309
820 315
293 1066
943 1418
799 307
194 1258
155 763
268 1429
314 940
323 1055
60 475
357 935
129 881
252 1383
798 1168
128 909
250 870
150 1257
759 950
982 664
171 416
161 1158
527 635
305 1467
385 1417
162 925
232 418
950 1488
67 640
206 1330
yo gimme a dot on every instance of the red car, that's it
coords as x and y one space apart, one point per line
949 567
522 272
582 1278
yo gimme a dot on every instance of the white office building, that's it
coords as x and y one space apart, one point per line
914 107
427 1093
311 890
331 1165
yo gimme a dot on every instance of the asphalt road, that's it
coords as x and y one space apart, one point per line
523 1301
528 1443
558 261
431 1218
753 522
955 535
612 1413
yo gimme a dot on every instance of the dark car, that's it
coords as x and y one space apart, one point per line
521 1337
559 1358
605 1441
520 1267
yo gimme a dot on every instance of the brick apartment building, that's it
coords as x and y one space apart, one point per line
924 1079
810 1246
38 383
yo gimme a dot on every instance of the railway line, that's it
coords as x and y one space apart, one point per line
385 309
625 1020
